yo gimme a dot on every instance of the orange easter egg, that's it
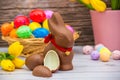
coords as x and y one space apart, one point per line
6 29
104 57
13 33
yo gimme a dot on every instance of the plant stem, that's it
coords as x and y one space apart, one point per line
115 4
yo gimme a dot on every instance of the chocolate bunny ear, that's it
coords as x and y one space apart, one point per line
56 20
59 31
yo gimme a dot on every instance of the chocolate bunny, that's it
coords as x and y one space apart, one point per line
60 40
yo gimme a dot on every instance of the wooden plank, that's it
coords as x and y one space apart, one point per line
84 68
73 13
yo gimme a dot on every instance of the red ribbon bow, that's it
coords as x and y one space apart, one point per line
50 38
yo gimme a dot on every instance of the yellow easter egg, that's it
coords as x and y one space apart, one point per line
105 50
34 25
45 24
12 23
104 57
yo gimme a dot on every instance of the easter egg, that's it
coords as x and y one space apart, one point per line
12 23
116 51
34 25
70 28
87 49
48 13
98 47
40 32
24 32
6 29
105 50
21 20
95 55
13 33
104 57
37 15
116 55
45 24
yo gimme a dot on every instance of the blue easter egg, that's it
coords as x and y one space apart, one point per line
40 32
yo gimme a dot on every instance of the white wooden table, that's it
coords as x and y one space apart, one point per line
84 69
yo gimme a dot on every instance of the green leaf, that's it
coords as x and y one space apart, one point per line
115 4
89 6
80 1
119 4
8 56
2 56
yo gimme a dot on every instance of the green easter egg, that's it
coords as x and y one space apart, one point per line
24 32
45 24
34 25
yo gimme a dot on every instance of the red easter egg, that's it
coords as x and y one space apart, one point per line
6 29
37 15
21 20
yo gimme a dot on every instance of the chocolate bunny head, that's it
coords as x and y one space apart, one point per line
63 37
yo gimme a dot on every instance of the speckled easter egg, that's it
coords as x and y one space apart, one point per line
34 25
37 15
13 34
21 20
40 32
45 24
116 51
24 32
87 49
116 55
6 28
95 55
70 28
48 13
105 57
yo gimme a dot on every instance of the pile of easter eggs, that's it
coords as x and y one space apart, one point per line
101 52
36 25
24 27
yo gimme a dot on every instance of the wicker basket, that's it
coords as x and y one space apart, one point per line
31 45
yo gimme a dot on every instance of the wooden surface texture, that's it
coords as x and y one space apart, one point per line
84 69
73 13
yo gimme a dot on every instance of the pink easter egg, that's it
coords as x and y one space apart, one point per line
70 28
48 13
87 49
116 55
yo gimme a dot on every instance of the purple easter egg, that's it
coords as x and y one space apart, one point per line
95 55
48 13
87 49
70 28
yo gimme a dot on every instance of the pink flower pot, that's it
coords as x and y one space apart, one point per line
106 28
